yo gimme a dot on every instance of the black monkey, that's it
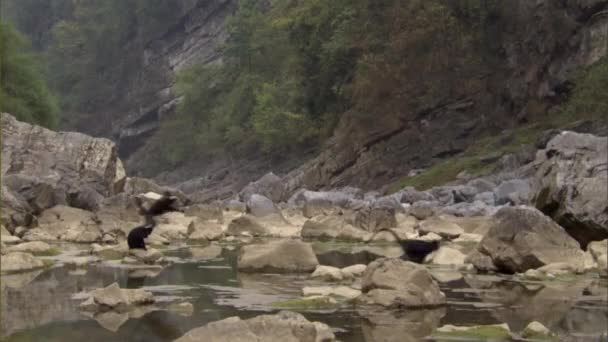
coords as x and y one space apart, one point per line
136 236
415 250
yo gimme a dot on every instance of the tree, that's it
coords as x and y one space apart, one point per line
23 91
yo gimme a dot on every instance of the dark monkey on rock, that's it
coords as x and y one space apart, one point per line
136 236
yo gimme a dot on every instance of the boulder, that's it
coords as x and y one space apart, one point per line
204 230
571 184
537 331
445 229
288 256
395 283
205 212
19 261
376 216
270 186
113 298
524 238
70 224
34 247
59 166
353 271
443 194
487 198
411 196
599 251
14 210
284 326
332 227
260 206
466 209
327 273
147 256
423 209
247 224
514 192
447 256
482 185
38 234
135 186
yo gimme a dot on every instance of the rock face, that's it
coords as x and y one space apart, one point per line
524 238
278 256
571 184
48 168
395 283
285 326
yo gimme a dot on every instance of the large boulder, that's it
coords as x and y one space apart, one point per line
260 206
376 216
395 283
515 192
288 256
284 326
14 210
58 166
571 184
70 224
19 261
524 238
270 186
332 227
136 186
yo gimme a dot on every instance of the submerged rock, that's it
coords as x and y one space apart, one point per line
116 299
478 332
536 330
278 256
336 291
395 283
524 238
283 326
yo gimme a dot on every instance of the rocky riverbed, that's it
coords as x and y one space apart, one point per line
521 254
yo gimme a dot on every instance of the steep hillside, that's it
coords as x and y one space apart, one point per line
406 85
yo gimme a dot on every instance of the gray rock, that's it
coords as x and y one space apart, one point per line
423 209
82 166
411 196
205 212
288 256
332 227
204 230
260 206
465 209
571 184
284 326
482 185
395 283
375 217
480 261
515 192
441 227
237 206
444 194
524 238
270 186
15 211
464 193
487 197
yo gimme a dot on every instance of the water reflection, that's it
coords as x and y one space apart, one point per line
38 306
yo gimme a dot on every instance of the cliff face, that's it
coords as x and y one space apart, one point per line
192 38
538 45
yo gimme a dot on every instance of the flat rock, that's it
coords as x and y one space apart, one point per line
278 256
19 261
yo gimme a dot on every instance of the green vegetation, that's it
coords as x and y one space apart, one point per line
307 303
588 101
53 251
23 91
292 69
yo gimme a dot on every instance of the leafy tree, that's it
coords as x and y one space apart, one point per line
23 91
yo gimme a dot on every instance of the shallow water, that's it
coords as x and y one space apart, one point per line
39 306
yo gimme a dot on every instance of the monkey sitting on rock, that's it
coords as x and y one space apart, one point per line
164 204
